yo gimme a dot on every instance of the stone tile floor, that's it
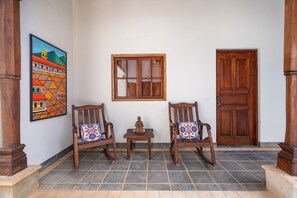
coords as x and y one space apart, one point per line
235 171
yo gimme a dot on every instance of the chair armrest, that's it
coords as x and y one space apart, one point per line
74 129
206 125
208 130
173 130
106 124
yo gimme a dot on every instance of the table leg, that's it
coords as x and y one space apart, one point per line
149 149
128 149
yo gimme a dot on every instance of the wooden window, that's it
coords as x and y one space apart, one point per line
138 77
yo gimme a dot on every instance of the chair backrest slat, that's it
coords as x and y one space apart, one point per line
175 115
186 114
87 114
183 112
80 117
190 114
181 117
92 119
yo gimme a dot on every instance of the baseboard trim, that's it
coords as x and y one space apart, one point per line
268 144
56 157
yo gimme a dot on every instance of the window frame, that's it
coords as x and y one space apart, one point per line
139 77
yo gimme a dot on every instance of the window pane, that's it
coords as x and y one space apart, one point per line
157 69
132 87
122 87
121 68
146 87
157 87
132 68
146 68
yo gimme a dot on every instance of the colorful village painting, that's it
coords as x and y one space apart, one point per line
48 80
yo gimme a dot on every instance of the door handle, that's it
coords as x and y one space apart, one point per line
219 103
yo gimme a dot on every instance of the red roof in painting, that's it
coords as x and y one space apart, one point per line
48 63
38 97
36 82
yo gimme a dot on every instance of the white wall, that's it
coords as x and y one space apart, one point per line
51 20
189 32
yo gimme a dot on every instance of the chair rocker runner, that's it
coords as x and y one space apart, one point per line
91 116
181 114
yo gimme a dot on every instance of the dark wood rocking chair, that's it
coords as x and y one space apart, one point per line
188 112
88 114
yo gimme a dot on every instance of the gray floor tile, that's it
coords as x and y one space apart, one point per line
101 166
122 156
200 177
134 187
158 187
140 156
222 177
64 187
207 187
167 156
260 175
263 162
253 156
52 177
115 187
115 177
188 156
87 187
217 166
65 166
157 177
73 177
156 165
232 187
92 156
222 157
231 165
172 166
250 165
269 156
138 165
157 156
136 177
237 157
244 177
182 187
194 165
94 177
179 177
85 165
255 187
119 165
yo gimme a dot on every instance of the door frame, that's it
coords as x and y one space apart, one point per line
256 99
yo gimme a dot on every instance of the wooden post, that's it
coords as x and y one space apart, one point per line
12 157
287 157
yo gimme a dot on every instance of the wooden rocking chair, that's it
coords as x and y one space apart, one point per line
188 112
89 114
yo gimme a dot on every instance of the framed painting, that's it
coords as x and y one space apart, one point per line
48 80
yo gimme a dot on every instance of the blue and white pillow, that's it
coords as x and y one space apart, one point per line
188 130
91 132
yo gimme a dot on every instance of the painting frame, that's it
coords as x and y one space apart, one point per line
48 80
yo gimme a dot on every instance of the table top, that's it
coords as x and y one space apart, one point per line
147 133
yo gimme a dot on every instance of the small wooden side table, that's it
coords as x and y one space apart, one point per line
131 136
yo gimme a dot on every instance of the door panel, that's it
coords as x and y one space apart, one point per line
237 97
226 124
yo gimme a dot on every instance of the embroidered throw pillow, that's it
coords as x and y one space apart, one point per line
91 132
188 130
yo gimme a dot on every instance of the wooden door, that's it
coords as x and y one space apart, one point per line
236 92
